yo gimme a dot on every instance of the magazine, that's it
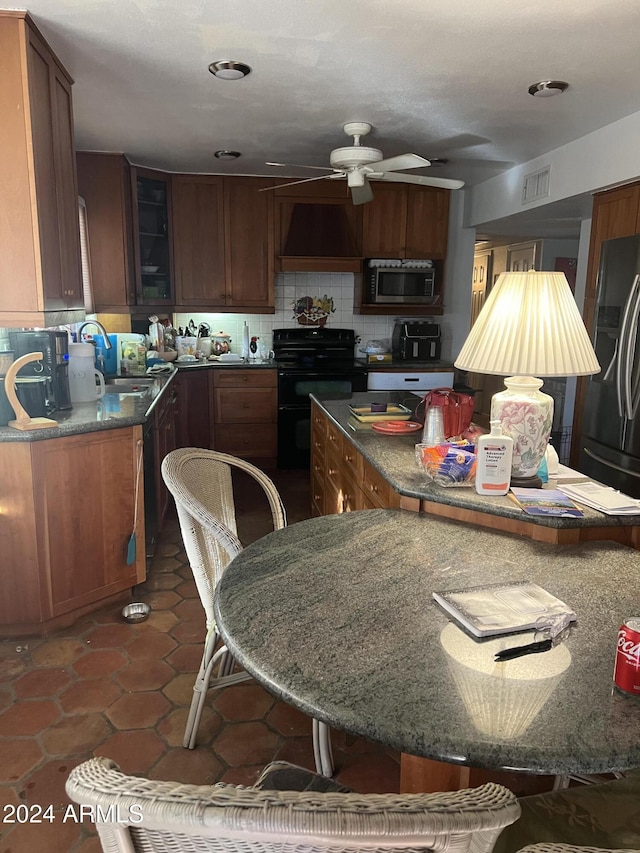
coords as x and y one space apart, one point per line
546 502
501 608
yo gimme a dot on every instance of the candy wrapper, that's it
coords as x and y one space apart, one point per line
450 464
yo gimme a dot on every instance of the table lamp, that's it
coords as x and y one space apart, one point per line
529 326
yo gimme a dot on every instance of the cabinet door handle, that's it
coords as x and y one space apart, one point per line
372 488
246 405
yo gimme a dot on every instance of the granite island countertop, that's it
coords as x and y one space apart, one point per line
334 615
394 457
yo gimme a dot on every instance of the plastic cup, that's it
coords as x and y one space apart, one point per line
433 432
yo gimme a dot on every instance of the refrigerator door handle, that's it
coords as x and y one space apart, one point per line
606 462
623 372
631 387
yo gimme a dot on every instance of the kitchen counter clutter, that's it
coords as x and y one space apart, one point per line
362 469
112 411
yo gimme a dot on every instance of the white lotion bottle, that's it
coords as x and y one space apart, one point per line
493 468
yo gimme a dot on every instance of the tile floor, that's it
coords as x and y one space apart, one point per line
103 687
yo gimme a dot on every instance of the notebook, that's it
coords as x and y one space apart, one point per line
501 608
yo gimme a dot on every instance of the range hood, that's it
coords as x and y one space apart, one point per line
319 237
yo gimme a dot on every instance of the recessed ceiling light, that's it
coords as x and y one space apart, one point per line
228 69
548 88
225 154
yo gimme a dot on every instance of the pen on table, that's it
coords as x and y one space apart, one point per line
528 649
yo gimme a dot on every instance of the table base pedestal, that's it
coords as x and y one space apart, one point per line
424 776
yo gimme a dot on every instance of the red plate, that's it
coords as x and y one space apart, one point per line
396 427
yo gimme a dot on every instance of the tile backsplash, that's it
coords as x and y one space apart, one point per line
290 287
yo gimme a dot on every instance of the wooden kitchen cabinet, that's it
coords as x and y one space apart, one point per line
341 478
198 234
164 441
249 246
104 181
39 231
246 413
65 536
152 244
223 243
194 392
405 221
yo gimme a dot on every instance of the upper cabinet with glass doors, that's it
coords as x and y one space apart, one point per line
152 225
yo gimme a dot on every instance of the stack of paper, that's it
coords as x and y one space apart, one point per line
500 608
603 498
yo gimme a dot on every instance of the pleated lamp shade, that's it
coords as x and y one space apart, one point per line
529 326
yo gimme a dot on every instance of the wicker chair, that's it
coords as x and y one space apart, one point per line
134 814
200 482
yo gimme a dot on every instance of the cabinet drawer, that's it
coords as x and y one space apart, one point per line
317 494
263 378
376 488
245 405
334 439
252 440
352 460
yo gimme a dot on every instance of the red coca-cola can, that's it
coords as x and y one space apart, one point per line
626 674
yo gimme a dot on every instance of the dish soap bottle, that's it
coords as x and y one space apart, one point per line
493 470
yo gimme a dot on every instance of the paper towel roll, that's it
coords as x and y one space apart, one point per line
245 341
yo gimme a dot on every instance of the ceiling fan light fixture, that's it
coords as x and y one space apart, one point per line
548 88
229 69
226 154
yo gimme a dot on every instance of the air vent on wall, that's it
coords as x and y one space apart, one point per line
536 185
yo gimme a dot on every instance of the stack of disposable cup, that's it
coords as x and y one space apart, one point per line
433 432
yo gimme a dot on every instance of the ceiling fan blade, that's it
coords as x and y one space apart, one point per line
423 180
402 161
293 183
300 166
363 194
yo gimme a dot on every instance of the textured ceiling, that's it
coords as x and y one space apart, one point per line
441 79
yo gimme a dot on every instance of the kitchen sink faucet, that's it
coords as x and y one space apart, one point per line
103 332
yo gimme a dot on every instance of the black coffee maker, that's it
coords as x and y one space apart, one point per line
54 347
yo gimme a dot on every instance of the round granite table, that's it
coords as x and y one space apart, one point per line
335 616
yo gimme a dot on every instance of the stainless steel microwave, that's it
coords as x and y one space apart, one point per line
401 284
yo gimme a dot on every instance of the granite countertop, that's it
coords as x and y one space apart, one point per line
109 412
398 364
394 457
334 615
118 410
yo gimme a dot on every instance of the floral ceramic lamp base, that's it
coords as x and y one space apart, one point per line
526 414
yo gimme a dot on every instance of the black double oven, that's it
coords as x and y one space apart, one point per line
311 360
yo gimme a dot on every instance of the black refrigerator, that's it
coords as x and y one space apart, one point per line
610 449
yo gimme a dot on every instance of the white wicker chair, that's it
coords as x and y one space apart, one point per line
134 815
200 482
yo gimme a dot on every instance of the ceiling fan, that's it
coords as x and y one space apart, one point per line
358 164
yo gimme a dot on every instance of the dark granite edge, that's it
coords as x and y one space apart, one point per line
463 497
